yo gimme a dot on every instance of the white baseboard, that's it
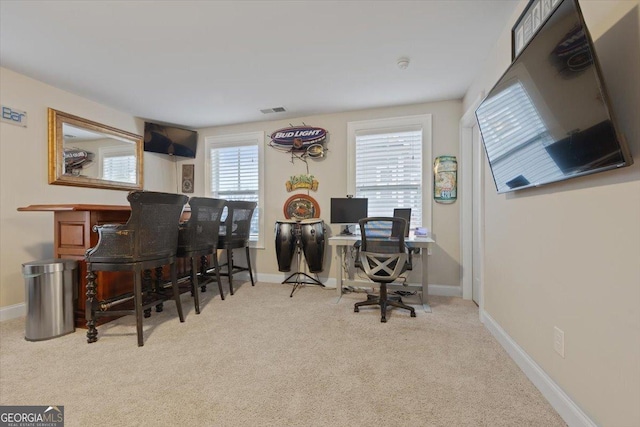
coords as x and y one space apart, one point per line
445 290
561 402
13 311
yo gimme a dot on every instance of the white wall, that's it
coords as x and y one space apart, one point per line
568 254
28 236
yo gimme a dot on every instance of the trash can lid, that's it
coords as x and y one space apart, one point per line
49 266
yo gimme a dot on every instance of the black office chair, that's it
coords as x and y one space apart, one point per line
383 258
198 238
234 234
148 240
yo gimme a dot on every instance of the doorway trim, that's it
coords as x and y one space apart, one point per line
467 161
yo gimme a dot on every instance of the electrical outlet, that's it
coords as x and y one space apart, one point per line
558 341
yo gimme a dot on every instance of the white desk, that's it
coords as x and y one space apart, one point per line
343 243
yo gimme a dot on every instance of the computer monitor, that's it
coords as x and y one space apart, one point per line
406 214
348 210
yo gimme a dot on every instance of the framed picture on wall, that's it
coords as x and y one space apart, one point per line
301 206
529 22
187 178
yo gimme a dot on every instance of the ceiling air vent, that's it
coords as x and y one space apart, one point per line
273 110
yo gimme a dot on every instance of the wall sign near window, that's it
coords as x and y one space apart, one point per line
445 186
529 22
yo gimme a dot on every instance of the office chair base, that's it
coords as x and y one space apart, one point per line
383 303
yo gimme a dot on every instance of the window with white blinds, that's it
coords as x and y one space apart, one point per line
118 166
235 171
388 166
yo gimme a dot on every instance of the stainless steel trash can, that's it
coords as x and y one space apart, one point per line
51 286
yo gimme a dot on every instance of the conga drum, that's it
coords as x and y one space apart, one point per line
286 237
312 231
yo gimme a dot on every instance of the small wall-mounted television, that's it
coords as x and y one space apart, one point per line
170 140
548 118
348 210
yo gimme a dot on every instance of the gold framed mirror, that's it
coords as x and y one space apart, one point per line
89 154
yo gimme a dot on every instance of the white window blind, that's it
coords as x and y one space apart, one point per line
388 171
121 168
235 175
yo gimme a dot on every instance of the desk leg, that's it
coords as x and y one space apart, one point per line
424 296
341 255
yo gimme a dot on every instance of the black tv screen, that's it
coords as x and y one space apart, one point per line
548 117
170 140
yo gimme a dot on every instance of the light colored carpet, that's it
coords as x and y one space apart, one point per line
260 358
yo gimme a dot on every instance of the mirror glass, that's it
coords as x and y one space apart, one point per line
89 154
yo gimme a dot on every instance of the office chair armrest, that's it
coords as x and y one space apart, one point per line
411 248
410 251
356 259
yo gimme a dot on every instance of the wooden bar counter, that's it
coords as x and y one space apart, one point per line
73 234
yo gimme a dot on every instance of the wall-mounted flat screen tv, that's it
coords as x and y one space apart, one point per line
548 118
170 140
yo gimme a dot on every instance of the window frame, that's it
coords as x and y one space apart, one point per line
107 152
385 125
235 140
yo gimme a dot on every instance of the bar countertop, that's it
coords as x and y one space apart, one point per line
73 207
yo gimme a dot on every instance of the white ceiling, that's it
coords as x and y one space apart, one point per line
207 63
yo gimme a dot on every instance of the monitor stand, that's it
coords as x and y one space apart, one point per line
345 231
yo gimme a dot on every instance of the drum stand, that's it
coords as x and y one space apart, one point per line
298 282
